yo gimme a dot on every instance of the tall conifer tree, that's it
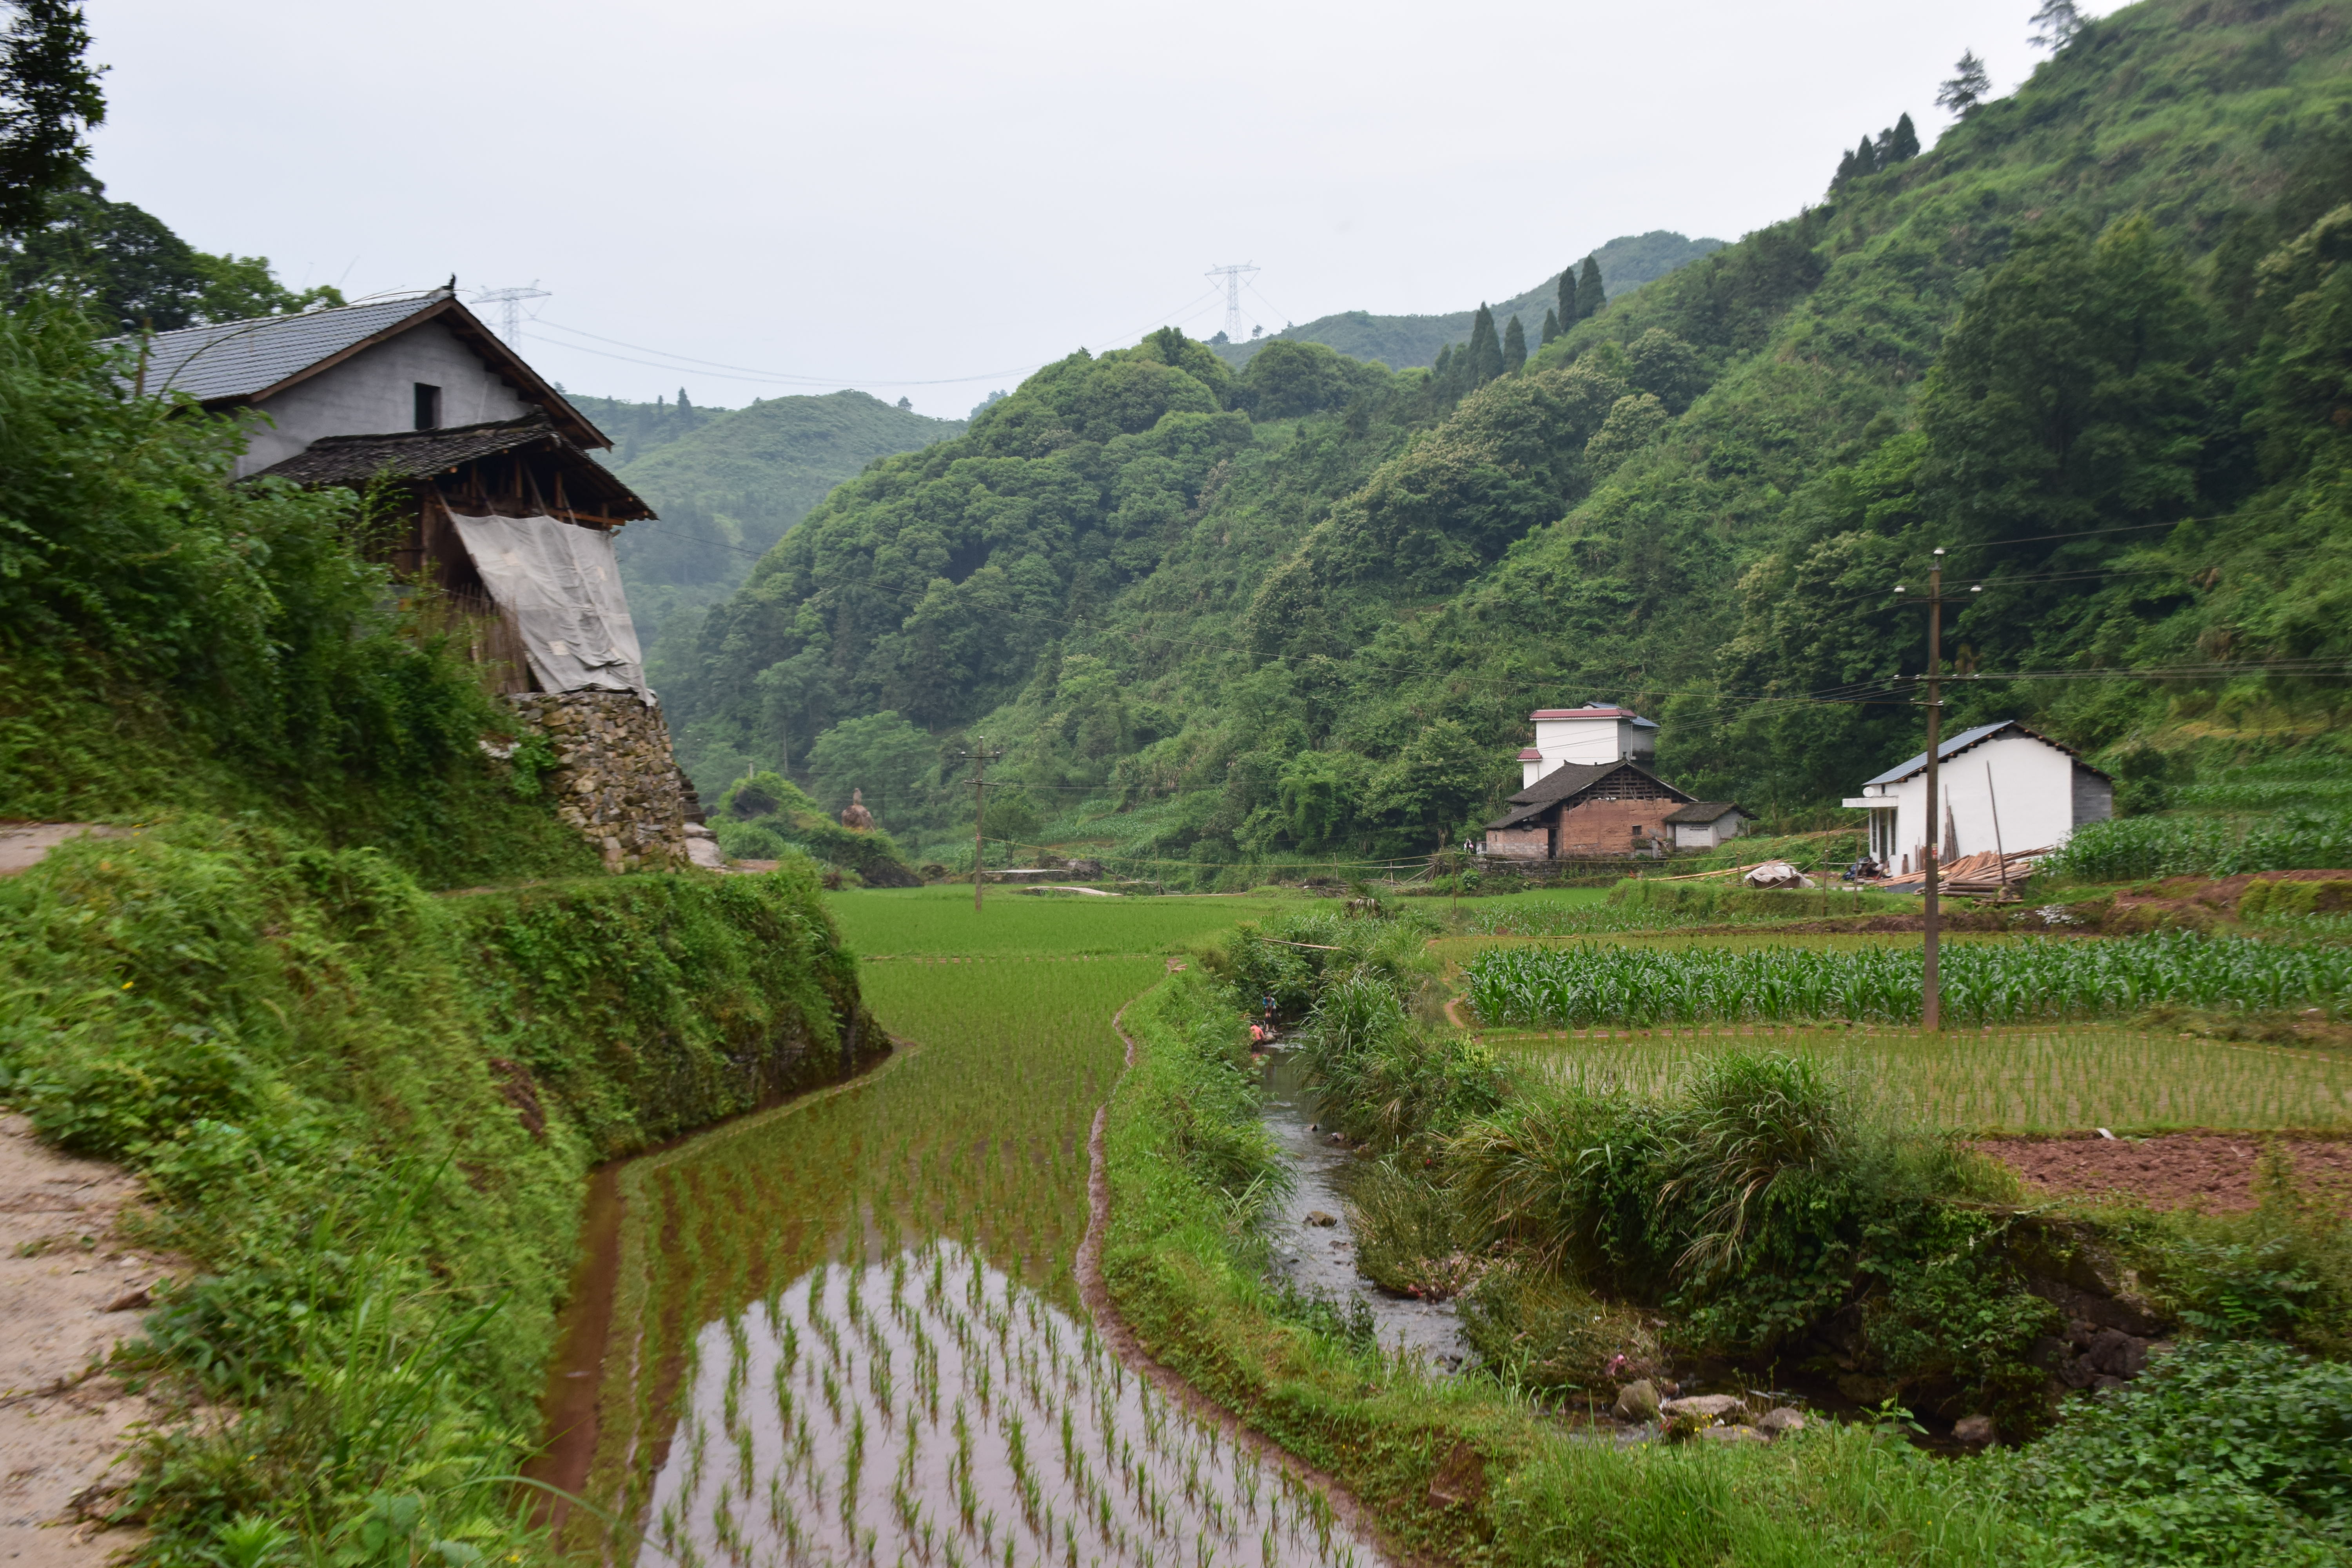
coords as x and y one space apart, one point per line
1551 324
1589 294
1568 315
1514 348
1904 145
1486 349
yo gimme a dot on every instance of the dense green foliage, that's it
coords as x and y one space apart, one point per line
364 1113
728 483
2110 308
166 639
764 816
2013 982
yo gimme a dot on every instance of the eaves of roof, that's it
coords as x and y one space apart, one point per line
1947 750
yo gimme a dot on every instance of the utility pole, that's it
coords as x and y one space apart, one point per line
1931 998
981 757
1233 276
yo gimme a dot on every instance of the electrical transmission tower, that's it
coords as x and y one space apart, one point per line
1233 276
510 313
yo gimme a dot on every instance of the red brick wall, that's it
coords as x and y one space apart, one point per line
1606 826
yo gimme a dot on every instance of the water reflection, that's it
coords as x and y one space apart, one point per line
932 1411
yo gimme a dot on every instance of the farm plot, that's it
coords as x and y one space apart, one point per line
2019 980
931 1410
1998 1081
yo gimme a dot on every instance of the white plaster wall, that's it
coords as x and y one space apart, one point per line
1591 741
2033 785
373 392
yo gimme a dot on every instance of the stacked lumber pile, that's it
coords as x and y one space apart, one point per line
1983 874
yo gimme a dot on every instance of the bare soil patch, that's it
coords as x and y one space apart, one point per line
2209 1171
72 1288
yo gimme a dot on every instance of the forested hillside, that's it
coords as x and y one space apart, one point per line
2097 344
1404 342
729 482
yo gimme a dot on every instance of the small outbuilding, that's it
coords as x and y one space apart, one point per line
1704 823
2003 787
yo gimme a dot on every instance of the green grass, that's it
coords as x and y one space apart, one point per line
941 920
2006 1081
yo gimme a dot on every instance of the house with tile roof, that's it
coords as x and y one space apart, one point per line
2003 787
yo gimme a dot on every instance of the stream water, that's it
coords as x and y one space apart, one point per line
1314 1247
846 1332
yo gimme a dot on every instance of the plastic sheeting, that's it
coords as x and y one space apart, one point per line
560 586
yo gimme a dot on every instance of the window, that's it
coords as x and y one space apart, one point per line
428 406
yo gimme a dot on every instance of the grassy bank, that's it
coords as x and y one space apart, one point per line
364 1113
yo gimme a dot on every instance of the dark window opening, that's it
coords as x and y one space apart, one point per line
428 406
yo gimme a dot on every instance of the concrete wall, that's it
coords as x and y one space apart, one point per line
2032 783
373 392
615 781
1519 843
1707 835
1590 741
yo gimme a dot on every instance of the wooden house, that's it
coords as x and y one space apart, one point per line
486 466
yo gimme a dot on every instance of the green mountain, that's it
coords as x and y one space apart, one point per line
728 483
2096 344
1402 342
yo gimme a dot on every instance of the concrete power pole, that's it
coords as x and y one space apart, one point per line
980 756
1233 276
1931 1000
510 301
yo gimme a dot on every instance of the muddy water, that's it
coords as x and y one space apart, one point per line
1321 1258
963 1159
931 1410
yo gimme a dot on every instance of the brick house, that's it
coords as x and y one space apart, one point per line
1588 810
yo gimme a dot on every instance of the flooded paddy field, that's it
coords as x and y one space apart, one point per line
848 1331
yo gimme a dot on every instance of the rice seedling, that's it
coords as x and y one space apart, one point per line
2010 981
2004 1081
1177 1493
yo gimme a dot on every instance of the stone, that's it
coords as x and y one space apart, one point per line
2117 1354
1705 1406
1780 1421
1636 1402
1733 1435
1316 1217
1973 1429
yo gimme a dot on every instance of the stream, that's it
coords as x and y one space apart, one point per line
1320 1258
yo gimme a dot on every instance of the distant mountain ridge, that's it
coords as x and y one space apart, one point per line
1407 343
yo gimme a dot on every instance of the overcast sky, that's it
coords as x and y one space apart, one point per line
930 199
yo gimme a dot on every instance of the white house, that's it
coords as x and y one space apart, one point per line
1704 823
2003 787
1589 735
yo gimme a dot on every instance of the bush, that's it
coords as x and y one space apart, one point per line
770 815
2221 1453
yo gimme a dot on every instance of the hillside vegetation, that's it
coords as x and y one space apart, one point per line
1406 343
2094 345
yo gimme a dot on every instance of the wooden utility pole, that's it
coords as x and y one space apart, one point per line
981 757
1931 1007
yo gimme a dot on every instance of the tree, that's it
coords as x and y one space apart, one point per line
1966 89
1486 349
2056 24
1568 315
883 755
1551 324
1865 159
1514 347
1589 294
1900 144
128 269
48 98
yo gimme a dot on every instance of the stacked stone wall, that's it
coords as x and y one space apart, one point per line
615 781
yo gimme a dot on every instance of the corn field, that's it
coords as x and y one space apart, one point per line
2022 981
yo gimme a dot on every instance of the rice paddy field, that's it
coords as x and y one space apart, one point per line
2000 1081
846 1330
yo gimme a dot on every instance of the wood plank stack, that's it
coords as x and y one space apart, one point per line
1981 875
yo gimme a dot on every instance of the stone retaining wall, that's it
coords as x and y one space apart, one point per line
614 780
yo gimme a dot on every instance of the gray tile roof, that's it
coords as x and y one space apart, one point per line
1947 750
237 359
1566 781
1702 812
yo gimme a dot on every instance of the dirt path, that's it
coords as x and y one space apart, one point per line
70 1291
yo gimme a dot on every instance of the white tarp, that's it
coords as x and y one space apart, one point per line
559 584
